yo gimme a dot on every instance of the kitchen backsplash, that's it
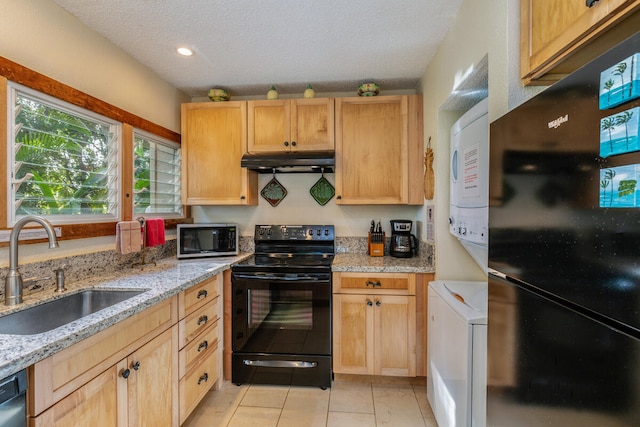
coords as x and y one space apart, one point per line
86 266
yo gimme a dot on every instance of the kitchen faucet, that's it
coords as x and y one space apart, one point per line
13 281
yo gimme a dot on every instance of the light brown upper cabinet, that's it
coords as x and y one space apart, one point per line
291 125
379 150
214 138
558 37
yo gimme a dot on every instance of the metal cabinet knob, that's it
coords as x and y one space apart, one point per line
204 377
369 303
125 373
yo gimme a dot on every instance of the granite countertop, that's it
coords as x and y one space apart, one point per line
167 278
386 264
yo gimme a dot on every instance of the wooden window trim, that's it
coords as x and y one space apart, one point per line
17 73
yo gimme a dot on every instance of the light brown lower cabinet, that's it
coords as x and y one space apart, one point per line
374 334
379 324
200 332
125 375
149 370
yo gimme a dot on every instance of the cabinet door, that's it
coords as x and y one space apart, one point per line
312 124
153 382
214 138
551 30
94 404
379 150
395 335
353 344
269 125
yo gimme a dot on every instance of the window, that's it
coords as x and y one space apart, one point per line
156 176
63 162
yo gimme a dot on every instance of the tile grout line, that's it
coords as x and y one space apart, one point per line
373 400
283 404
235 405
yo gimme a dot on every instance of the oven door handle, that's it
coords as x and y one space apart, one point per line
280 363
277 277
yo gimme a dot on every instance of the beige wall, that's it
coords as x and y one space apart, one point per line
40 35
481 28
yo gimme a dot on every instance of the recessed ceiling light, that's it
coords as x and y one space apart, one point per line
185 51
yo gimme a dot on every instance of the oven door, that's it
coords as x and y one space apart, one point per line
281 313
281 329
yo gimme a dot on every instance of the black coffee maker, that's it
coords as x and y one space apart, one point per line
403 243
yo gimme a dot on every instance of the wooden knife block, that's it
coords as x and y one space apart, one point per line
376 244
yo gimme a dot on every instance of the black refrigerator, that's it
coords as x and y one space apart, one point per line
564 251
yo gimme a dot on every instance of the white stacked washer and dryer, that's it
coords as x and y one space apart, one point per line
457 329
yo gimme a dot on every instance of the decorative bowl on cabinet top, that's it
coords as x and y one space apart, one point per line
218 95
368 89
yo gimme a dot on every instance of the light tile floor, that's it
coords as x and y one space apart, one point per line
345 404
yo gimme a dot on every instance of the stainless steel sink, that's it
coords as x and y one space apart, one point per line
48 316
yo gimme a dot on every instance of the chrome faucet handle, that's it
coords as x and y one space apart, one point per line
60 278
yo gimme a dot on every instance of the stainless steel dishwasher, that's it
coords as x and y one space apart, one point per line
13 400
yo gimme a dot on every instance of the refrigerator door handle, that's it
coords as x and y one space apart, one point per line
497 273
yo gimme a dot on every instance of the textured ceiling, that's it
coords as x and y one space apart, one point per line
245 46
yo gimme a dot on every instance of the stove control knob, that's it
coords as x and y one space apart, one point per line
310 232
326 232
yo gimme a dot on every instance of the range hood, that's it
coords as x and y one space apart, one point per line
289 162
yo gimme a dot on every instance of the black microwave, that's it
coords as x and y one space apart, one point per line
207 240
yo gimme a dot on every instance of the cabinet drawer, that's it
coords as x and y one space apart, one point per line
383 283
197 296
199 348
196 322
197 382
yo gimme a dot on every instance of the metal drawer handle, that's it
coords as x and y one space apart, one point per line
203 319
373 284
204 377
202 294
203 346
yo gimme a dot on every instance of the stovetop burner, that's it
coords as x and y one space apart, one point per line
290 246
296 260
